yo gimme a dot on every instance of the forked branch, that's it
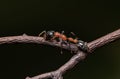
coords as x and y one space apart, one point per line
80 55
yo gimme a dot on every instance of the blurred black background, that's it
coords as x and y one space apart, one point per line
87 19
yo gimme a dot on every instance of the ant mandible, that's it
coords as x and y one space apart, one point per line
51 35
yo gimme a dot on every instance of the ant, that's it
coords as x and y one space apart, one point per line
51 35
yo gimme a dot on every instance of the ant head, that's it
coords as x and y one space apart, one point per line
82 45
50 34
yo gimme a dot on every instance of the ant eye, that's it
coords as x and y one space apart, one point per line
50 33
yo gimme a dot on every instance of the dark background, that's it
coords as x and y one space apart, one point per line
87 19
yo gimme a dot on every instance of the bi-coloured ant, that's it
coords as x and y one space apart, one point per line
51 35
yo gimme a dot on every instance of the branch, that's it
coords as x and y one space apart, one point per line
104 40
34 39
80 55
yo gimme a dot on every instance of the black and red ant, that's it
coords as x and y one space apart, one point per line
51 35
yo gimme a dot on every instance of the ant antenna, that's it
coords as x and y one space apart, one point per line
43 33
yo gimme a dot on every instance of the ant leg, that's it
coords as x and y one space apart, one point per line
62 32
74 35
70 47
53 37
44 34
61 42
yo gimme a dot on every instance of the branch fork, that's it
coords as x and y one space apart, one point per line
79 55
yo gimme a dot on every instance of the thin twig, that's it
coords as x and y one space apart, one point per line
80 55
